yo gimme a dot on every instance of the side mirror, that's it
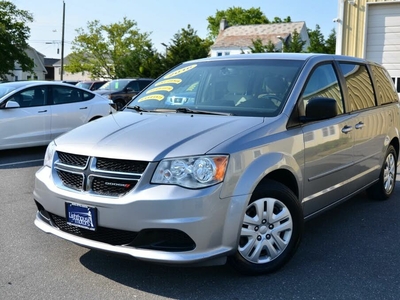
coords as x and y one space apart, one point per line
320 109
12 104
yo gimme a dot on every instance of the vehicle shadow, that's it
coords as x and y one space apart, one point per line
22 157
349 249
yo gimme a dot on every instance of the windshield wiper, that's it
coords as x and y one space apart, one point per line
186 110
137 108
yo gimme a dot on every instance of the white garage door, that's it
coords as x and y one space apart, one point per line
383 37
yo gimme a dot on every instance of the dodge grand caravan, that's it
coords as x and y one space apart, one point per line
267 142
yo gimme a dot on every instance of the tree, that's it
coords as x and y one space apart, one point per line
295 44
330 43
235 16
143 62
258 47
13 39
186 45
318 44
103 49
317 41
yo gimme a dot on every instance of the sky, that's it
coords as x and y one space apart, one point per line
162 19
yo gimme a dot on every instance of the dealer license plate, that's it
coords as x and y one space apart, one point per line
81 216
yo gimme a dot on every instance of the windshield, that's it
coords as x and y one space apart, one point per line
6 89
238 87
114 85
85 85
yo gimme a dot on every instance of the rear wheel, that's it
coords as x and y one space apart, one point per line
384 188
271 230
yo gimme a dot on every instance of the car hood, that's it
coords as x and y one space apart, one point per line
153 136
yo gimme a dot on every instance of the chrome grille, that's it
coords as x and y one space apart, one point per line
97 175
119 165
71 180
110 187
72 159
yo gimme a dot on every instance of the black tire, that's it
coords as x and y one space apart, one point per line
266 245
384 187
119 104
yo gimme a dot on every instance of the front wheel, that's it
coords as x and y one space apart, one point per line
271 230
384 187
119 104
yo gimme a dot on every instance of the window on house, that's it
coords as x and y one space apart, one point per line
227 53
219 53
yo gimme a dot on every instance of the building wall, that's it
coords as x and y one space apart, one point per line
70 76
39 72
351 26
358 36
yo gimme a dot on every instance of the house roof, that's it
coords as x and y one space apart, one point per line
50 61
243 35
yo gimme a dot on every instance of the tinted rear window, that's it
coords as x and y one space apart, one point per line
384 86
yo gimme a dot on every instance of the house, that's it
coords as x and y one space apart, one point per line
48 64
39 70
239 39
371 29
85 75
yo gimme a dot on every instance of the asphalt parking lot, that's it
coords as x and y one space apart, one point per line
351 252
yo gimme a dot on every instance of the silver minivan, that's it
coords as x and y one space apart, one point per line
266 142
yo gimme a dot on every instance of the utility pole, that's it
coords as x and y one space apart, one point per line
62 43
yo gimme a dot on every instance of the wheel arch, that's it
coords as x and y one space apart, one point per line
276 166
395 143
94 118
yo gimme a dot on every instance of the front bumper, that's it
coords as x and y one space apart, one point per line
167 224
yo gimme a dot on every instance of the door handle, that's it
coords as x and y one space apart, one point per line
42 111
83 107
346 129
359 125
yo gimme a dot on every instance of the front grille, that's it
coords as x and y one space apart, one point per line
73 159
71 180
170 240
119 165
97 175
102 234
111 187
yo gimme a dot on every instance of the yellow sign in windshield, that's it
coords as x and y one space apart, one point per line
157 97
161 88
180 71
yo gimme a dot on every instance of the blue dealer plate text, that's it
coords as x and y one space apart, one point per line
81 216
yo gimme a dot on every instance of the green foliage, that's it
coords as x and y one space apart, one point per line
258 47
13 39
295 44
330 43
318 44
103 50
143 62
235 16
186 45
317 41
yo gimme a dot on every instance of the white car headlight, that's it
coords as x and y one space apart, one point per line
191 172
48 157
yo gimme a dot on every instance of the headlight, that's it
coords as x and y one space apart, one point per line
191 172
48 157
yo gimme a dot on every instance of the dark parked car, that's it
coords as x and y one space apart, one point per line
91 84
121 91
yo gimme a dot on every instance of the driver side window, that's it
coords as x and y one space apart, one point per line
323 83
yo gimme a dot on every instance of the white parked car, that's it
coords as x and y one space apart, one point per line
32 113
